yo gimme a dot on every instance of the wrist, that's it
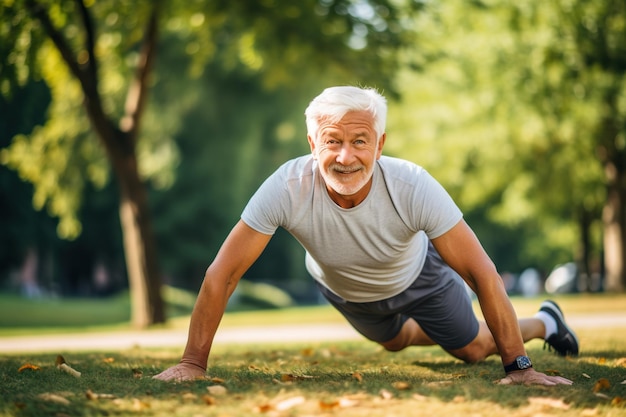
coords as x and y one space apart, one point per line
521 363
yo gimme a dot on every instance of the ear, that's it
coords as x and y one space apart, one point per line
312 145
381 143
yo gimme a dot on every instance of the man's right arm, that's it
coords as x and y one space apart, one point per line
239 251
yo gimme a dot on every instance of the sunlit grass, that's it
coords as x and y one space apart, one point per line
314 379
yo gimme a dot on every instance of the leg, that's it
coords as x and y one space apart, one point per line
411 334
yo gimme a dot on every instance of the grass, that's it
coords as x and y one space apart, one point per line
324 379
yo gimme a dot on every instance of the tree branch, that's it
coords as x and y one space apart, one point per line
138 90
91 64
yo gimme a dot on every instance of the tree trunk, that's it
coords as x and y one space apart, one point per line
614 218
147 305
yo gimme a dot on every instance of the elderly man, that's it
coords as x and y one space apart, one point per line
386 245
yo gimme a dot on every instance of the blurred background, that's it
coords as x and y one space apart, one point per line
132 134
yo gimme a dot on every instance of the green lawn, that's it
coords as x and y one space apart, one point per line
324 379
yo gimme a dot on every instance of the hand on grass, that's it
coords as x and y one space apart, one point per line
181 372
532 377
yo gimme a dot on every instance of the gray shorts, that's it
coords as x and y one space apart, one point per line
437 300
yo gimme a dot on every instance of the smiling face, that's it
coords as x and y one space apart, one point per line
346 152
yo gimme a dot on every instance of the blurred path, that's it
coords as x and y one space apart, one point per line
268 334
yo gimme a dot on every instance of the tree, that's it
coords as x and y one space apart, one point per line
85 52
519 102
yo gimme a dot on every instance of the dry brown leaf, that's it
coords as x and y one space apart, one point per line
601 384
54 398
95 396
208 400
108 360
264 408
357 376
617 401
601 361
217 390
328 405
28 366
189 396
139 405
287 378
401 385
419 397
289 403
621 362
217 380
385 395
549 402
63 366
307 352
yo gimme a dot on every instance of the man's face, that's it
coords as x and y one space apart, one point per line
346 152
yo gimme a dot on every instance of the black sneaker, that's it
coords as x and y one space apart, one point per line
564 341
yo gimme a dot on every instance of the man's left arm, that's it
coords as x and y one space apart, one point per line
461 249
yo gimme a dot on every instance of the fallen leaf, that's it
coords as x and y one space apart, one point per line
287 378
108 360
419 397
289 403
139 405
328 405
549 402
189 396
617 401
621 362
346 402
28 366
623 382
385 395
586 376
601 384
601 395
208 400
552 372
95 396
458 399
217 390
601 361
307 352
401 385
217 380
357 376
55 398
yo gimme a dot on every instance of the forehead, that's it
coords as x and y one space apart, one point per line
361 120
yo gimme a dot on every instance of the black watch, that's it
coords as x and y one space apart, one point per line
520 363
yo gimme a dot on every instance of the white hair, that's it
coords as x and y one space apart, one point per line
334 102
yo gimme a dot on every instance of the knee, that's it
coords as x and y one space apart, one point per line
473 357
393 346
469 354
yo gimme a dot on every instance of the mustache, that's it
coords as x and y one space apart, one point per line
345 169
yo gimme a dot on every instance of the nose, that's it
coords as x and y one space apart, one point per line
345 155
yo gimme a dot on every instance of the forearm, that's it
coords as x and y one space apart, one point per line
205 319
502 322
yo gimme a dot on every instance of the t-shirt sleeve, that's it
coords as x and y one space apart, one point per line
436 212
265 211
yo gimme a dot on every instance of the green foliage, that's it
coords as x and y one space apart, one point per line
507 111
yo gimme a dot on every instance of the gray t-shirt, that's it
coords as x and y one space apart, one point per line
366 253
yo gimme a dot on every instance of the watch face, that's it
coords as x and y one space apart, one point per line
523 362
